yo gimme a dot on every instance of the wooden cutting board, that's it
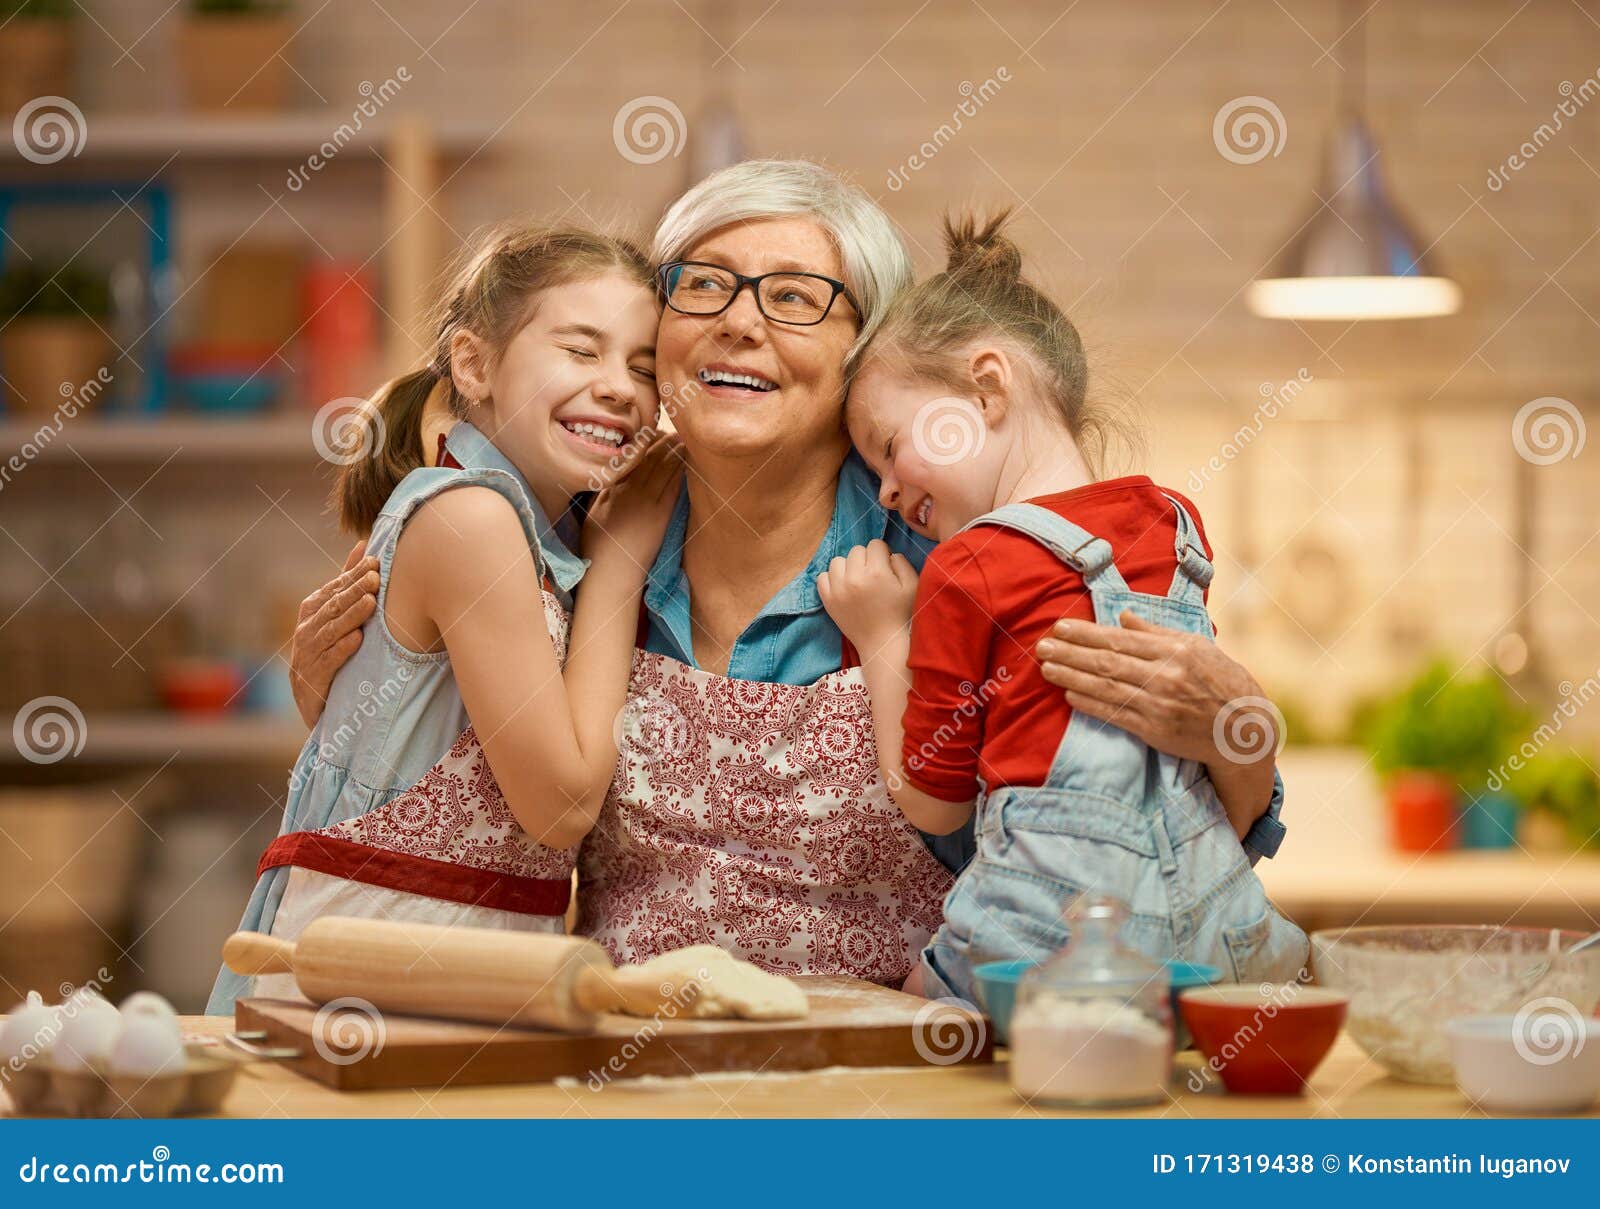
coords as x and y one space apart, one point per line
852 1023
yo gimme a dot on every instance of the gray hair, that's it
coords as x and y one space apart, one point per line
876 263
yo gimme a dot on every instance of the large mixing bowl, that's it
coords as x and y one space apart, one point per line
1405 982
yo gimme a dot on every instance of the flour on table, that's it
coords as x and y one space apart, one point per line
714 984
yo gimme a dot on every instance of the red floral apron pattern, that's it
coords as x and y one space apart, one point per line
752 816
451 836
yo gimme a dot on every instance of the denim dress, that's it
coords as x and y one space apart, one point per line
1113 816
392 811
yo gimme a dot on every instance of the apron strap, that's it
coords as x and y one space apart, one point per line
1193 576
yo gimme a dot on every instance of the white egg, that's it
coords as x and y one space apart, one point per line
148 1003
89 1027
29 1030
148 1045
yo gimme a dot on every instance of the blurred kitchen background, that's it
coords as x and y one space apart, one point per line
217 220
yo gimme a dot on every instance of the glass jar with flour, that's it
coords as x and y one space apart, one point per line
1093 1023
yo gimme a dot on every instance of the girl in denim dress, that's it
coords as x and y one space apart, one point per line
971 404
463 754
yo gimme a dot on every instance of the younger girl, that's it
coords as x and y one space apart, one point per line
398 808
970 403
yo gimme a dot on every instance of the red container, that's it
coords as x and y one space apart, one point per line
1263 1040
339 339
1424 812
201 686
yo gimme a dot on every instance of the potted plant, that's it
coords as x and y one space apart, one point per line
1560 795
37 49
230 53
1436 742
53 344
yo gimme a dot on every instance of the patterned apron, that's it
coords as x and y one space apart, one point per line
447 851
752 816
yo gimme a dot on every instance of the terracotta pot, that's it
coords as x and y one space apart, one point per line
42 354
1423 812
235 63
36 57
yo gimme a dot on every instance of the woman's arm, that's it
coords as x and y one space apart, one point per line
327 631
870 594
1180 694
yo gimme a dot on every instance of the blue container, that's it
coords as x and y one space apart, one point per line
997 987
1489 821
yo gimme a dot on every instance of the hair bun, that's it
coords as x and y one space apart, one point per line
978 247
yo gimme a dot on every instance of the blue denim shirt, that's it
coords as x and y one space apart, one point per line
794 641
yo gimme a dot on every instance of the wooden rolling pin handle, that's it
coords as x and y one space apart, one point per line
258 953
594 991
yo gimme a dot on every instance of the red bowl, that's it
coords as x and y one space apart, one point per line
201 686
1264 1040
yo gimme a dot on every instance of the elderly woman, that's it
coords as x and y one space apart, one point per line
747 810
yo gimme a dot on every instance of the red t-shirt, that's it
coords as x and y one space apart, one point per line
979 703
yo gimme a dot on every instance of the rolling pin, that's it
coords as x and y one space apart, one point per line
533 979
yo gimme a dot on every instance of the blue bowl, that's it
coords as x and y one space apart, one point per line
997 987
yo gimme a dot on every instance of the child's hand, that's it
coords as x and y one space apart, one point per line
629 518
869 593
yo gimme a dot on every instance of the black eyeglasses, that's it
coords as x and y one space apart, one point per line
802 299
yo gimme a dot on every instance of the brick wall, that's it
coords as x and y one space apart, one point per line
1331 582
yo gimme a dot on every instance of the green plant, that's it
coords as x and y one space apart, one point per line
1446 721
51 10
217 8
1565 784
65 290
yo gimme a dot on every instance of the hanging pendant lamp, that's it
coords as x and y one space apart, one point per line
1355 257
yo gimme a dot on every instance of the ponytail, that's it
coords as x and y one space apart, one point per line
388 431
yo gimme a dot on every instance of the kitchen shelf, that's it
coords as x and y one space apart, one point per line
137 439
160 136
156 738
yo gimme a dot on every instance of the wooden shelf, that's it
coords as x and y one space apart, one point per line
157 737
135 439
158 136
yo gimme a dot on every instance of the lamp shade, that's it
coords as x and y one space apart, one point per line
1355 257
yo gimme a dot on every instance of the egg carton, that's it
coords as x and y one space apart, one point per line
41 1090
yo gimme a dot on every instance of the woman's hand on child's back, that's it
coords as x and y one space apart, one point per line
629 518
869 593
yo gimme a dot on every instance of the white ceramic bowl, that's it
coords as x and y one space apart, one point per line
1545 1058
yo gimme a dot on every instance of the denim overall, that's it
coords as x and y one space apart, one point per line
1113 816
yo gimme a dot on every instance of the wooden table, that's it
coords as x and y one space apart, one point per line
1348 1084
